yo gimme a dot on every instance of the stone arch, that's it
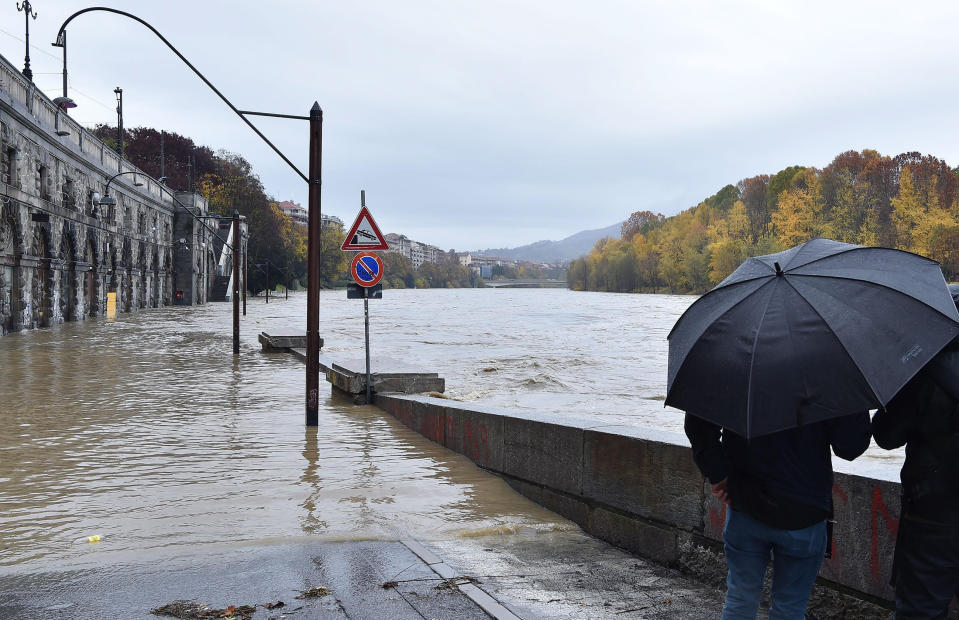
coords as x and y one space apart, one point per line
42 277
168 276
143 298
126 265
11 277
91 290
157 289
68 290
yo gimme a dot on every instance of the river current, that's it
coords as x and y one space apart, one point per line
148 432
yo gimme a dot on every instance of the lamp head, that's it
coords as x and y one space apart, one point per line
108 201
64 103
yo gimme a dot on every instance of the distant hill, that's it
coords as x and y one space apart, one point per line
566 249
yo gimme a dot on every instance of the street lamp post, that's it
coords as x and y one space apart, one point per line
314 180
28 13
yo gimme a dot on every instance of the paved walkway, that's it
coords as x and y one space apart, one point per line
520 575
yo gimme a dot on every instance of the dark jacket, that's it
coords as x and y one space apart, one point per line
784 479
923 416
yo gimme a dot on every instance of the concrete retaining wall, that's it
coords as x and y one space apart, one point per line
639 489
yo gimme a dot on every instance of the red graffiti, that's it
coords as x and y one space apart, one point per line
840 493
433 427
476 444
834 561
892 524
450 437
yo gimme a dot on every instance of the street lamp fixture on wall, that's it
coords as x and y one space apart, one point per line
62 104
110 201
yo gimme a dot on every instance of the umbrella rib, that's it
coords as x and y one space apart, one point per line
855 363
752 355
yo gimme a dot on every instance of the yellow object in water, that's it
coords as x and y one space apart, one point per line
94 538
111 307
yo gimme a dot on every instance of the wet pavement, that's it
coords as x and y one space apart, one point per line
525 575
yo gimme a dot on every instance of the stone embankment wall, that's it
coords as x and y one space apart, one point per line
61 252
639 489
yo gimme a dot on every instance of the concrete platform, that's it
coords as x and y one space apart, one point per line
387 375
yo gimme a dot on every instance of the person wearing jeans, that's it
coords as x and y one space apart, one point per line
778 489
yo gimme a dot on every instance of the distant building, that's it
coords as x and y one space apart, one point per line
418 253
298 214
301 216
483 265
330 220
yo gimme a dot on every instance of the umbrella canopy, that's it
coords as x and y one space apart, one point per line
821 330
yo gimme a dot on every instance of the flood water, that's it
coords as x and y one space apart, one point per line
147 432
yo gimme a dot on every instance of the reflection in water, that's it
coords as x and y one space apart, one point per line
312 523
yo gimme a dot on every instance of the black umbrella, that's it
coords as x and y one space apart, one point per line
821 330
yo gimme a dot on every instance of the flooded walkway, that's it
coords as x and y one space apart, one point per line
148 433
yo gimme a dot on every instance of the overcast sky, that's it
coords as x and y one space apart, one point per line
500 123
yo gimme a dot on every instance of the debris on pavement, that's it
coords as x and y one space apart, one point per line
316 592
191 610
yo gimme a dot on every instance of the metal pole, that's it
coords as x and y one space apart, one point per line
267 281
244 281
313 269
65 67
366 315
119 94
236 283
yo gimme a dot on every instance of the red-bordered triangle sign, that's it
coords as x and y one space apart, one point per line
364 234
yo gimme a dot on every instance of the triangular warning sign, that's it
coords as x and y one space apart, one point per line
364 234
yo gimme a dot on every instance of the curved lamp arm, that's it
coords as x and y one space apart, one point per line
107 199
61 42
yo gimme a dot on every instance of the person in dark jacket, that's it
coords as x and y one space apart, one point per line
779 491
923 416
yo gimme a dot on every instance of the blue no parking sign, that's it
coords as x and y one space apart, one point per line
366 268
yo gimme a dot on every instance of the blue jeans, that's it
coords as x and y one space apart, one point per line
796 556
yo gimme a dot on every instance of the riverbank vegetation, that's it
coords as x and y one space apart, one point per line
228 182
909 201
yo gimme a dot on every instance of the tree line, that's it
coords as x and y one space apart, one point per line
909 201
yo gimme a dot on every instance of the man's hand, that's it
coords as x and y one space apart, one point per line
720 491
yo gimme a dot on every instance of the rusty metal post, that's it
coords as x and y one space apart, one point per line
236 282
244 281
313 269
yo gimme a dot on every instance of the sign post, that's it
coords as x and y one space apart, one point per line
366 269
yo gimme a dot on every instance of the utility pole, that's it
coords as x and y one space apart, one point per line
313 268
28 13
